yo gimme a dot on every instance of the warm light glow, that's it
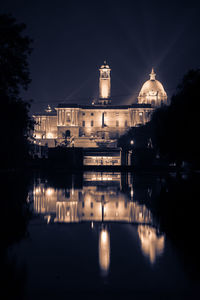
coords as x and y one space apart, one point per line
104 251
104 89
104 236
152 92
37 190
91 203
152 244
48 218
132 192
49 135
49 191
104 82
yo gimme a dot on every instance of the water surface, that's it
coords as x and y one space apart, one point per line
95 234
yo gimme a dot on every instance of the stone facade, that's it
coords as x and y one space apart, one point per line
96 124
85 126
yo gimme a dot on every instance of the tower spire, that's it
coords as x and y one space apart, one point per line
152 75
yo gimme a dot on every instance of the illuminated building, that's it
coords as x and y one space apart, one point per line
104 85
101 123
152 92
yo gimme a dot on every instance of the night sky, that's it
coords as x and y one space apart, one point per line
73 38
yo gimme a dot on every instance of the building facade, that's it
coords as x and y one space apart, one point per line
100 123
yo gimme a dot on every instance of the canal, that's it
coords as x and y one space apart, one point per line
96 234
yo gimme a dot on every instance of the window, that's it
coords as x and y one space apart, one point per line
91 204
83 204
83 114
67 194
141 117
92 114
67 117
92 123
116 114
67 133
117 123
126 123
83 123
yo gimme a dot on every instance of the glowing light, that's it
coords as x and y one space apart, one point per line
104 251
48 218
132 192
49 135
104 90
152 244
104 236
37 190
104 82
49 191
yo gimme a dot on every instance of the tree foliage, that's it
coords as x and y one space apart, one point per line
175 129
14 77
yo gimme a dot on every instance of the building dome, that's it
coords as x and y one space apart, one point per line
152 92
105 66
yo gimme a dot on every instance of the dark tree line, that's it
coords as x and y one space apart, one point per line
173 130
15 122
176 127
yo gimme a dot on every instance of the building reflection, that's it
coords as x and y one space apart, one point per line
96 201
152 243
102 198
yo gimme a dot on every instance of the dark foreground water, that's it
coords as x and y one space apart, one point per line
94 235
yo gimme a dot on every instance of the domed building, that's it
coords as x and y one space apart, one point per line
152 92
99 124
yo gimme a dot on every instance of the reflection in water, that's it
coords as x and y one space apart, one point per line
100 199
102 176
152 244
104 251
94 202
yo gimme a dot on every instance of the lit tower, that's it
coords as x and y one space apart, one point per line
104 84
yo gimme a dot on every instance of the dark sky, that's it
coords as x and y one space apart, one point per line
73 38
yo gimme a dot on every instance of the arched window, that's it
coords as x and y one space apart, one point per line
67 133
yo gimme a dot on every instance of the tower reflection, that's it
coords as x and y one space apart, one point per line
103 197
104 251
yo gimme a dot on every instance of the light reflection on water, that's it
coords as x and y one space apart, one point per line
100 200
104 251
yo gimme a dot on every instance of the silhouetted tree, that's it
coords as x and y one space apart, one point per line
15 122
175 129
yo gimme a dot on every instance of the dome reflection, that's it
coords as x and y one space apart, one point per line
152 244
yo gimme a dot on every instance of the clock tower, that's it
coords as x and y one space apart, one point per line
104 85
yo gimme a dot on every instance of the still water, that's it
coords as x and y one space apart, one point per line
94 234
